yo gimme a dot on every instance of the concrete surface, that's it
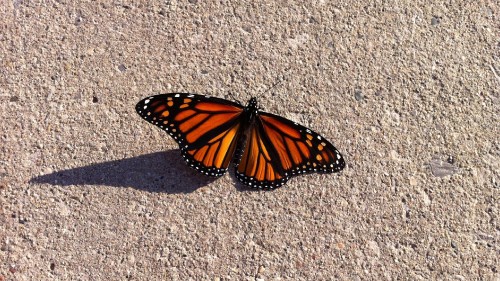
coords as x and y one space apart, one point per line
407 90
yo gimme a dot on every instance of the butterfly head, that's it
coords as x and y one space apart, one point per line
252 106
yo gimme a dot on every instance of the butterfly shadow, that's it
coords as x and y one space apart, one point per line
154 172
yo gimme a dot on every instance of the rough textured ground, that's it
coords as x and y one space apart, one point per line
408 91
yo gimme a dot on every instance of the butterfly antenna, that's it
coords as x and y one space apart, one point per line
272 87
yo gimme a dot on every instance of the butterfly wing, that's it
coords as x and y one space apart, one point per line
206 128
277 149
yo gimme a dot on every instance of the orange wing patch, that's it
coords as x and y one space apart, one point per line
256 165
207 129
184 114
218 152
285 128
217 107
200 124
301 146
277 149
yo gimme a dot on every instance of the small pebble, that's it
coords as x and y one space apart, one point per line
358 95
441 168
435 21
413 181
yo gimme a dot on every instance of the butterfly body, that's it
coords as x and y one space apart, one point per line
211 132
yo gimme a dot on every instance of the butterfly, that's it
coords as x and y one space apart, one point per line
212 132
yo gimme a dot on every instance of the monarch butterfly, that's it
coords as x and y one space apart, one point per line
211 132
